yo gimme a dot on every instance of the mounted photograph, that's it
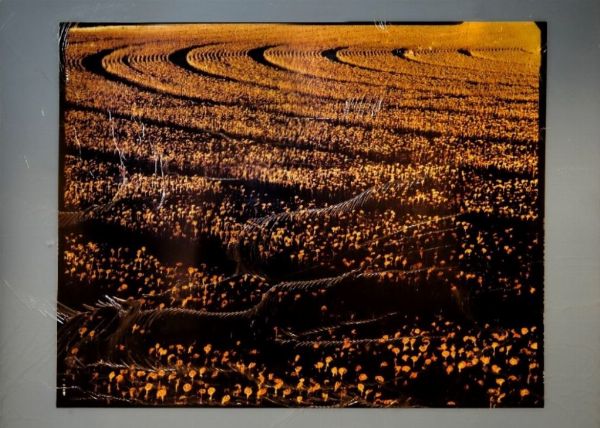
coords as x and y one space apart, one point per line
301 215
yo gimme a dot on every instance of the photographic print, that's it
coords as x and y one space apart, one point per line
301 215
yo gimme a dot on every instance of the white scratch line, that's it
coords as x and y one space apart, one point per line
46 309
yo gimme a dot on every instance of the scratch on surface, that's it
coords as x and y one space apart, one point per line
381 24
122 168
285 418
159 161
363 105
81 156
162 174
26 161
47 309
63 43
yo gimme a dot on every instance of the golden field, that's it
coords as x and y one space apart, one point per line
301 215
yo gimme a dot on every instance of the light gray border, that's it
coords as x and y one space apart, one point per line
28 208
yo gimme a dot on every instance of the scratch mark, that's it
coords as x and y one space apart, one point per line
46 309
381 25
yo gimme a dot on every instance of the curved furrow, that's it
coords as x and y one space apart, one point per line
369 78
331 54
280 54
359 58
273 79
461 60
451 73
104 62
180 58
93 63
258 55
99 64
195 62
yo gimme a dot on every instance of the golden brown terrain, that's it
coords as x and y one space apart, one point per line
301 215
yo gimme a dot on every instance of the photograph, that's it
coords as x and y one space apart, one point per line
319 215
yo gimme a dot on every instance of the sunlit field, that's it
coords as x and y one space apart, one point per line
291 215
